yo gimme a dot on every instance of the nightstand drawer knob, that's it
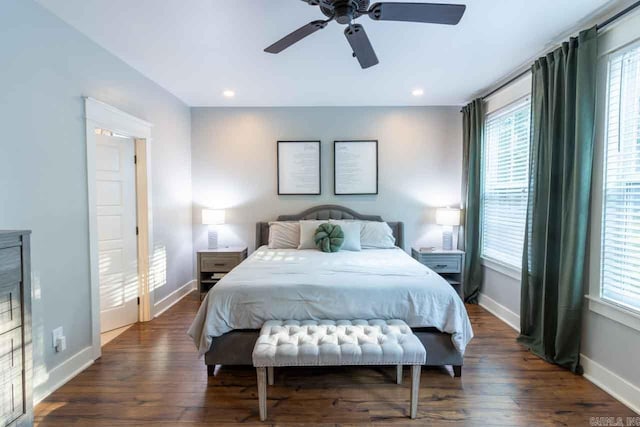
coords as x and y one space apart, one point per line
441 265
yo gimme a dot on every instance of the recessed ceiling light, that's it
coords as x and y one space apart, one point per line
229 93
417 92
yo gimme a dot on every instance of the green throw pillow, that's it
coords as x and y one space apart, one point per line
329 237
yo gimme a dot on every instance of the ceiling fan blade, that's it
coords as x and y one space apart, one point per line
296 36
361 45
430 13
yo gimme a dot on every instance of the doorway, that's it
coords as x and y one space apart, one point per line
116 220
119 187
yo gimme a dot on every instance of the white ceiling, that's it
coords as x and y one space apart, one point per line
198 48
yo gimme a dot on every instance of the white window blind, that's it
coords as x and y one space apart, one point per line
620 276
505 181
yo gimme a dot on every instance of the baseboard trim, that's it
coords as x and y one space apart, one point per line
80 361
617 387
628 394
500 311
63 373
170 300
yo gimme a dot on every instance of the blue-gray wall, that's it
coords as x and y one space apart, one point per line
46 68
234 164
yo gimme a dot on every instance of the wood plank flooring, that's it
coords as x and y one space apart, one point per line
151 375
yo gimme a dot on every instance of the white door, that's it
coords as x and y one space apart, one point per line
117 240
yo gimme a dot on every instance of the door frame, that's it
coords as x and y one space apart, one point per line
103 116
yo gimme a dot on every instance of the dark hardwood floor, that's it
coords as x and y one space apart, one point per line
151 375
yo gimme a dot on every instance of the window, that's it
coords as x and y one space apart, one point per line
505 183
620 265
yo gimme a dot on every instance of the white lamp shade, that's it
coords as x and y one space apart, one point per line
213 216
448 216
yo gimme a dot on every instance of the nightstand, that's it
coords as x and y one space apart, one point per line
448 264
213 264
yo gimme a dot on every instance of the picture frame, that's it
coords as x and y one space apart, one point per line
355 167
299 168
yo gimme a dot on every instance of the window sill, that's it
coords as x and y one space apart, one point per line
502 268
614 312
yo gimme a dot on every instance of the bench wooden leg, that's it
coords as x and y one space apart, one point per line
262 392
415 388
399 374
270 377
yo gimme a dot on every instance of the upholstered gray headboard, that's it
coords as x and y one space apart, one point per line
328 212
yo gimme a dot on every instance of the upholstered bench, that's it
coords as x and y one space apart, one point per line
337 343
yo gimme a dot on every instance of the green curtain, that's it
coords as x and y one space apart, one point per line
553 263
472 128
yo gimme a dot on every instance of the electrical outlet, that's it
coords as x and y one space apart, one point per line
61 344
58 336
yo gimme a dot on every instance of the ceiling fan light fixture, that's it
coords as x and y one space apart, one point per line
417 92
228 93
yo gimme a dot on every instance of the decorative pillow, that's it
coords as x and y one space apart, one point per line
307 231
329 237
377 235
284 235
351 230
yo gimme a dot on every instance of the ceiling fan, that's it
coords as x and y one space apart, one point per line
346 11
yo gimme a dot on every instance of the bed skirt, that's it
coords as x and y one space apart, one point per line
236 348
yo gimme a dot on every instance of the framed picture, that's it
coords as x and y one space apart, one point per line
299 168
355 166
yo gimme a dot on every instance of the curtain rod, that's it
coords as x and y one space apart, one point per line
507 83
598 27
618 15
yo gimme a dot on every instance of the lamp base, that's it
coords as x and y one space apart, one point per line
447 240
213 239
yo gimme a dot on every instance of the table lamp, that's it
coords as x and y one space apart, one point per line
213 217
447 218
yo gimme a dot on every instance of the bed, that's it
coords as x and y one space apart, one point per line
310 284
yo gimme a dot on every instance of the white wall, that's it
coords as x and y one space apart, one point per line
234 164
46 69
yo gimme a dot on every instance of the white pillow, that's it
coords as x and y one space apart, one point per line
351 230
307 231
376 235
284 235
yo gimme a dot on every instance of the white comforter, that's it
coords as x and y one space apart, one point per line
309 284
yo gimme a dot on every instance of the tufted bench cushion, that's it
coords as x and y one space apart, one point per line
334 343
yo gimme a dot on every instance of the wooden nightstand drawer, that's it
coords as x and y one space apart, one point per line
213 263
443 263
448 264
219 263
